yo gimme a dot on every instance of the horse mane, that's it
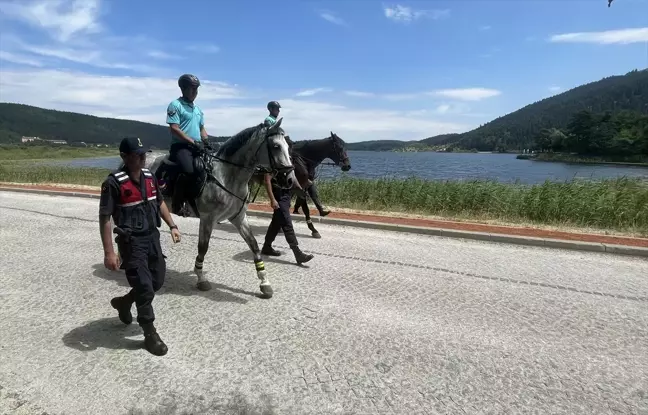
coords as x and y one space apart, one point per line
235 142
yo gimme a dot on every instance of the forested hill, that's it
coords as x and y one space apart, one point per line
519 129
17 120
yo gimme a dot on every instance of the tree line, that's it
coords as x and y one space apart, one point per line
612 135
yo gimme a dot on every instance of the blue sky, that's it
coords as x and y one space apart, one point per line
362 68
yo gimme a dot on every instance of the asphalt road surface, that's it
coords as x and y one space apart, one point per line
377 322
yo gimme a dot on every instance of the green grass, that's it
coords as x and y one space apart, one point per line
612 204
27 173
34 152
615 204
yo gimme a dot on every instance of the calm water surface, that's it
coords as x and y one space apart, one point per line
445 166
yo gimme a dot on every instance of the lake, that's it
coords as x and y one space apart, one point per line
445 166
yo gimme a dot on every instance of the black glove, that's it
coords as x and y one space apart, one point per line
198 145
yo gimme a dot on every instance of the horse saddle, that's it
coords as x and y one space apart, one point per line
168 174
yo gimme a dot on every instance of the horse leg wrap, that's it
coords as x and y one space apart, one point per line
198 268
261 272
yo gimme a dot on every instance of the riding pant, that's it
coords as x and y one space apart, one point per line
183 155
281 219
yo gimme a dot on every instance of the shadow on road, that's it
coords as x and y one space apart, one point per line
234 404
109 333
260 231
245 257
180 283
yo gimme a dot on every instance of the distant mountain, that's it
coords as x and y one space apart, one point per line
519 129
17 120
513 131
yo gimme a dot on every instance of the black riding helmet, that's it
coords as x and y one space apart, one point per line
188 80
273 104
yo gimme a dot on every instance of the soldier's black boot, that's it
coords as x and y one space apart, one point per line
123 306
301 257
152 341
269 250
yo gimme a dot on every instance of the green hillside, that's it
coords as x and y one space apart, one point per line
520 128
17 120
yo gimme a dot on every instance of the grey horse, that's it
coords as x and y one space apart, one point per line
225 192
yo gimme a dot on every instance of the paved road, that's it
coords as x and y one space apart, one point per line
378 322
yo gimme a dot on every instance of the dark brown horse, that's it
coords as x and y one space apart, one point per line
307 155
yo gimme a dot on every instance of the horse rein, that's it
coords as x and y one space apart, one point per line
272 168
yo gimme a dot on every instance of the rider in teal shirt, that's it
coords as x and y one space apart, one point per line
187 129
273 107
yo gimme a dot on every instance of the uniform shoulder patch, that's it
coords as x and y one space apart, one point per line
171 112
104 188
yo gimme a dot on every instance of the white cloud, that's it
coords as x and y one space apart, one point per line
400 13
484 28
332 18
620 36
467 94
555 89
149 96
311 92
81 17
19 59
77 52
359 94
79 37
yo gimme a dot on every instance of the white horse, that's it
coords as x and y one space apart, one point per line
225 191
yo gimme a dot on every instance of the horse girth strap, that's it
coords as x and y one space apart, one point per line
219 184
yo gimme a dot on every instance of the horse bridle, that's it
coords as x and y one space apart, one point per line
272 170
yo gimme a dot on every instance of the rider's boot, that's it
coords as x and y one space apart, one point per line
301 257
123 306
152 341
179 192
269 250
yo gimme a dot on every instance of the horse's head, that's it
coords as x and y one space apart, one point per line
338 152
274 156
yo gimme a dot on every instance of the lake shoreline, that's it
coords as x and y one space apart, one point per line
576 160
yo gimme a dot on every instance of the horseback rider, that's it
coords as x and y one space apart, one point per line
188 138
273 108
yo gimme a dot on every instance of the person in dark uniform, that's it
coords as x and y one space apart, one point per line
132 198
281 220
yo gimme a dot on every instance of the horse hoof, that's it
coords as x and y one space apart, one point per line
316 235
267 291
204 286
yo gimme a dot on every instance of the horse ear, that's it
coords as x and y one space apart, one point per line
278 123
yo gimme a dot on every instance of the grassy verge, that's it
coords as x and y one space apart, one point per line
18 152
612 204
615 204
20 173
